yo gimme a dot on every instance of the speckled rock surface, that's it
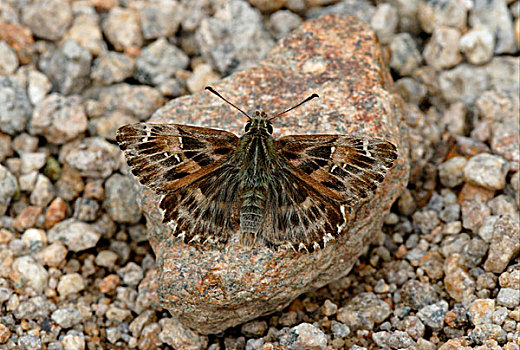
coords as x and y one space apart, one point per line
337 57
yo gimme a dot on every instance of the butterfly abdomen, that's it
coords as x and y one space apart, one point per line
252 208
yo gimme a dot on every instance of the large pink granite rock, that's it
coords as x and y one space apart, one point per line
339 58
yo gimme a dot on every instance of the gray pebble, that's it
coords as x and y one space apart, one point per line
15 107
159 61
477 45
122 28
25 143
503 205
85 30
177 336
505 244
234 37
131 274
70 284
453 244
384 22
508 297
473 214
137 100
76 235
450 13
411 90
339 330
485 230
86 209
31 272
37 17
68 67
106 258
254 344
500 315
120 199
8 59
426 220
393 340
8 187
442 51
363 311
307 336
160 18
94 157
496 17
473 252
67 317
418 294
112 67
32 161
283 22
43 192
450 172
487 331
405 55
34 308
486 170
29 342
450 213
433 315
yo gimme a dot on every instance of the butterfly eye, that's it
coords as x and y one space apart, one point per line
248 125
269 128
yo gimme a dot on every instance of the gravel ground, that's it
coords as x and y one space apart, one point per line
76 271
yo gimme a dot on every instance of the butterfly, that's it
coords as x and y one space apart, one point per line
298 191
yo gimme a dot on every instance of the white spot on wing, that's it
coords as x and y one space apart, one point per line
365 148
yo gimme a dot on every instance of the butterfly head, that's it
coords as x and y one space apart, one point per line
259 124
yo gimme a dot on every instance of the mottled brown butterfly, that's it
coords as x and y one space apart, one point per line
299 191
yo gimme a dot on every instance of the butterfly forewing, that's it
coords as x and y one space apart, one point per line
350 167
167 157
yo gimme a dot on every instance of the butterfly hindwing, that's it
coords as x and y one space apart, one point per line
205 210
299 216
167 157
350 167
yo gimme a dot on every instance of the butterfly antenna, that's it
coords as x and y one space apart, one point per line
210 89
298 105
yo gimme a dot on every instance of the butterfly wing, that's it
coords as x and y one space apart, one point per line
298 215
167 157
206 209
351 168
328 176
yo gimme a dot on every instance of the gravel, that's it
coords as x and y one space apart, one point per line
76 270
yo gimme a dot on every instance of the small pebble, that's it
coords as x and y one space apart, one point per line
487 171
505 244
508 297
67 317
307 336
481 311
31 273
177 336
363 311
76 235
122 29
477 45
70 284
442 51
